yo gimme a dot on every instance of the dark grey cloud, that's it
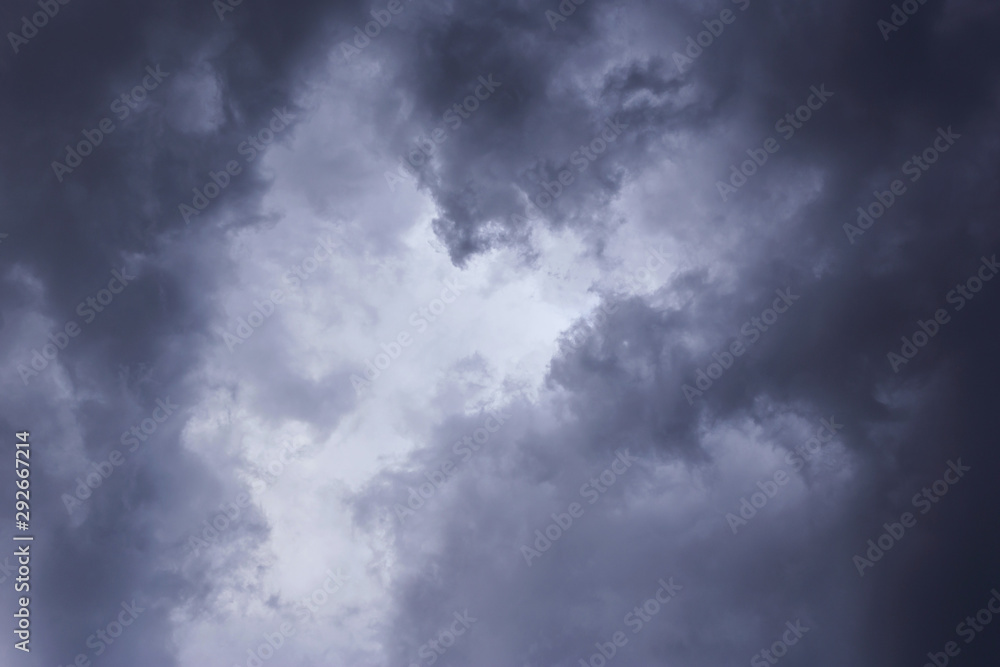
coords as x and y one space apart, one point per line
119 209
614 381
826 357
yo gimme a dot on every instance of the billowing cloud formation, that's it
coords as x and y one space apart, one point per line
500 334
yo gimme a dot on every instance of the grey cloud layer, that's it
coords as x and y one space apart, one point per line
620 387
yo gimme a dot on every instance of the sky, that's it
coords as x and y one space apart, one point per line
502 334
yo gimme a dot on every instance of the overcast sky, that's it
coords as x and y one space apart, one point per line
502 334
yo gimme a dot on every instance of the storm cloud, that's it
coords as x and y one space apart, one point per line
498 333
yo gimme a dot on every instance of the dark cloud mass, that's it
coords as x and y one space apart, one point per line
502 333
